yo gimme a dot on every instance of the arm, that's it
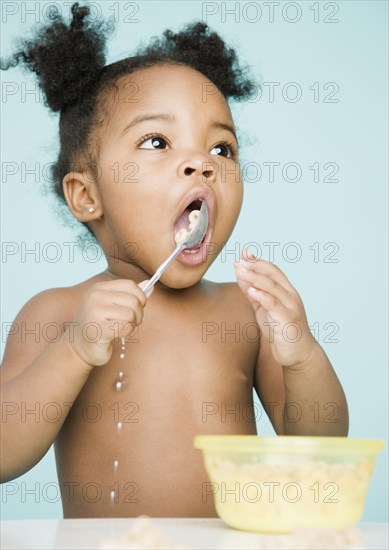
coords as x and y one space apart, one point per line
34 374
307 399
294 378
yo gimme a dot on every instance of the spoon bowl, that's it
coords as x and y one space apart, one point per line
194 237
197 233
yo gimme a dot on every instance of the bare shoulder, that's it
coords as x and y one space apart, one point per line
39 323
53 304
231 300
230 291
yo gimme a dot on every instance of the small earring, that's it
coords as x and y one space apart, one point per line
91 209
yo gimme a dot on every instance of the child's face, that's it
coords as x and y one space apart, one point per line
152 170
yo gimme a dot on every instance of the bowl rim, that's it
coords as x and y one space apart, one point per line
289 444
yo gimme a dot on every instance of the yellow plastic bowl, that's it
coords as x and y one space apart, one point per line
279 484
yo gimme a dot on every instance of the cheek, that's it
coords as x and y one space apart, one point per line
123 178
119 184
239 194
128 210
233 197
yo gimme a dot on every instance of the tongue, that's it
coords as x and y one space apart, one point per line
183 221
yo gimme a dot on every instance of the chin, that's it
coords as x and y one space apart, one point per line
184 279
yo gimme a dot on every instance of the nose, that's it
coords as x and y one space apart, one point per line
200 165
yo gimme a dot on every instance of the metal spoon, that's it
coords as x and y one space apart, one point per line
195 236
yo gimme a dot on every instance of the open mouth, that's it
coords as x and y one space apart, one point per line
185 222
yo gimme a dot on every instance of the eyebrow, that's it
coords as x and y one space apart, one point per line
227 127
144 118
170 118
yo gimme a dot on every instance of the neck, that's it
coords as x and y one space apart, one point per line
119 269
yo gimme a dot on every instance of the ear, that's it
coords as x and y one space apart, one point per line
81 194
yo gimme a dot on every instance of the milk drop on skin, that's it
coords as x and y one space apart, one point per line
118 384
123 348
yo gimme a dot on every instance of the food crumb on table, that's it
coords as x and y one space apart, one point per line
143 535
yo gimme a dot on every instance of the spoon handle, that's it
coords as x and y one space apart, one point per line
163 266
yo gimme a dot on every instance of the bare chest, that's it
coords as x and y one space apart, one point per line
182 374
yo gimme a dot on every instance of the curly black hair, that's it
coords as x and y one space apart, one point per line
69 62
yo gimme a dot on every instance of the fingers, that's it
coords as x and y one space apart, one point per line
142 286
267 301
124 285
265 289
266 284
251 263
123 299
126 314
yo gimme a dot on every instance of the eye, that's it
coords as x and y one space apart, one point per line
227 150
152 141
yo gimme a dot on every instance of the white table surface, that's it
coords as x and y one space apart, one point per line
189 533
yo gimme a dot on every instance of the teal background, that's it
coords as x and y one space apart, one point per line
352 212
